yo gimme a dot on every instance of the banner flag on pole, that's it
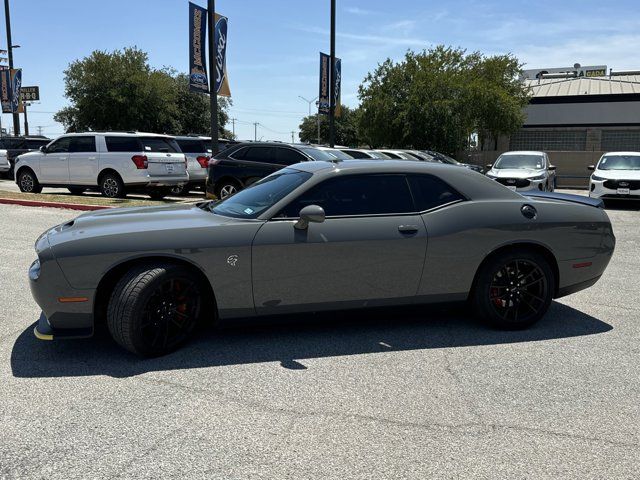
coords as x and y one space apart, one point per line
323 96
222 79
5 90
337 71
198 79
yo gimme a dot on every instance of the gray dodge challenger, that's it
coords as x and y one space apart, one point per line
318 236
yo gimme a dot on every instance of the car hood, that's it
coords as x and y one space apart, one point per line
618 174
151 220
515 173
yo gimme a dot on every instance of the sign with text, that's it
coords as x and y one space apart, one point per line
198 79
337 71
222 80
5 90
324 102
30 94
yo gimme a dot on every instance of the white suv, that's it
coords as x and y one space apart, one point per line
616 176
110 162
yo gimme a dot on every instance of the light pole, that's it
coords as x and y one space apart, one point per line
10 47
332 88
317 114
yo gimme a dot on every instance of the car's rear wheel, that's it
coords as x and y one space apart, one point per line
514 290
28 182
111 186
226 188
154 309
180 190
76 190
159 193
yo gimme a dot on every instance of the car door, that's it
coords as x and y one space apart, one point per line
370 249
54 164
83 160
257 162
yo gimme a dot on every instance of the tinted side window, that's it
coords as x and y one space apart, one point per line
192 146
357 195
14 143
60 146
123 144
83 144
159 144
430 192
288 156
259 154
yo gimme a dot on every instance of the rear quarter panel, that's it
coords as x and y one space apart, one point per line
462 235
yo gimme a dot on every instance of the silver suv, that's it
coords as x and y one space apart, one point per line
113 163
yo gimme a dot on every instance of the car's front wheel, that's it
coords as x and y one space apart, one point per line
154 309
514 290
27 182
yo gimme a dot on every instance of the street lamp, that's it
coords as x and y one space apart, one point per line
308 101
317 115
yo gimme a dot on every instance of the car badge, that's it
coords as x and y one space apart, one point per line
232 260
623 184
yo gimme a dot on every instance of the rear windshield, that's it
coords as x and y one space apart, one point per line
193 146
339 154
159 144
620 162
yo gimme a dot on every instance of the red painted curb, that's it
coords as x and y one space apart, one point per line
35 203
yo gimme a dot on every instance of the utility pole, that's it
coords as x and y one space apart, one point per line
213 93
40 129
292 133
332 88
7 17
233 126
255 131
318 120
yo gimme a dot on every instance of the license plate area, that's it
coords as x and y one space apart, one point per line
622 191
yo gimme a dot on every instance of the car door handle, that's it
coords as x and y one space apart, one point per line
408 228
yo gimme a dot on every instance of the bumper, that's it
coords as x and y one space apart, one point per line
598 190
44 331
5 168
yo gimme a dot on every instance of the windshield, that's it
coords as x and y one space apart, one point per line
620 162
519 161
441 157
319 155
379 155
252 201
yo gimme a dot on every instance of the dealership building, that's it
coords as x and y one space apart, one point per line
575 115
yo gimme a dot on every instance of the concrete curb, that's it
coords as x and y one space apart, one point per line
35 203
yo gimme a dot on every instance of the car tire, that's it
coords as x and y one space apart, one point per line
111 186
154 309
226 188
28 182
158 193
514 289
76 190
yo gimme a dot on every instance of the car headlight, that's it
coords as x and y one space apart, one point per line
596 178
34 270
537 177
492 177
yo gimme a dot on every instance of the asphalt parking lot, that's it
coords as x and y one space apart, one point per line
411 393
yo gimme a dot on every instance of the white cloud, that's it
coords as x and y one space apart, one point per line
359 11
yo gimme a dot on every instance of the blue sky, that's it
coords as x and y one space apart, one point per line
273 45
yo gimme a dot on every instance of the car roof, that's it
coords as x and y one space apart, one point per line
524 152
119 134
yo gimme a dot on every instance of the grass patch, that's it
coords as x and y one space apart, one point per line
86 199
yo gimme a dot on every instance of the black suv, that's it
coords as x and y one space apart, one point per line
241 165
18 145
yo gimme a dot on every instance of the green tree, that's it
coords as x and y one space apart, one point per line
437 98
120 91
346 128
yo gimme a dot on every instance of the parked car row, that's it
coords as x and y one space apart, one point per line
244 164
116 163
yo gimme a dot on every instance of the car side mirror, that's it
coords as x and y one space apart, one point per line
591 167
552 167
310 214
43 148
489 166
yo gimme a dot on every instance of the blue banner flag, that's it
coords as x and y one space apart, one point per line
5 90
198 79
337 72
324 95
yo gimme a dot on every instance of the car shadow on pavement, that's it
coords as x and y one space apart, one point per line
291 339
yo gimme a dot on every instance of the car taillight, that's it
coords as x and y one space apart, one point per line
140 161
203 161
